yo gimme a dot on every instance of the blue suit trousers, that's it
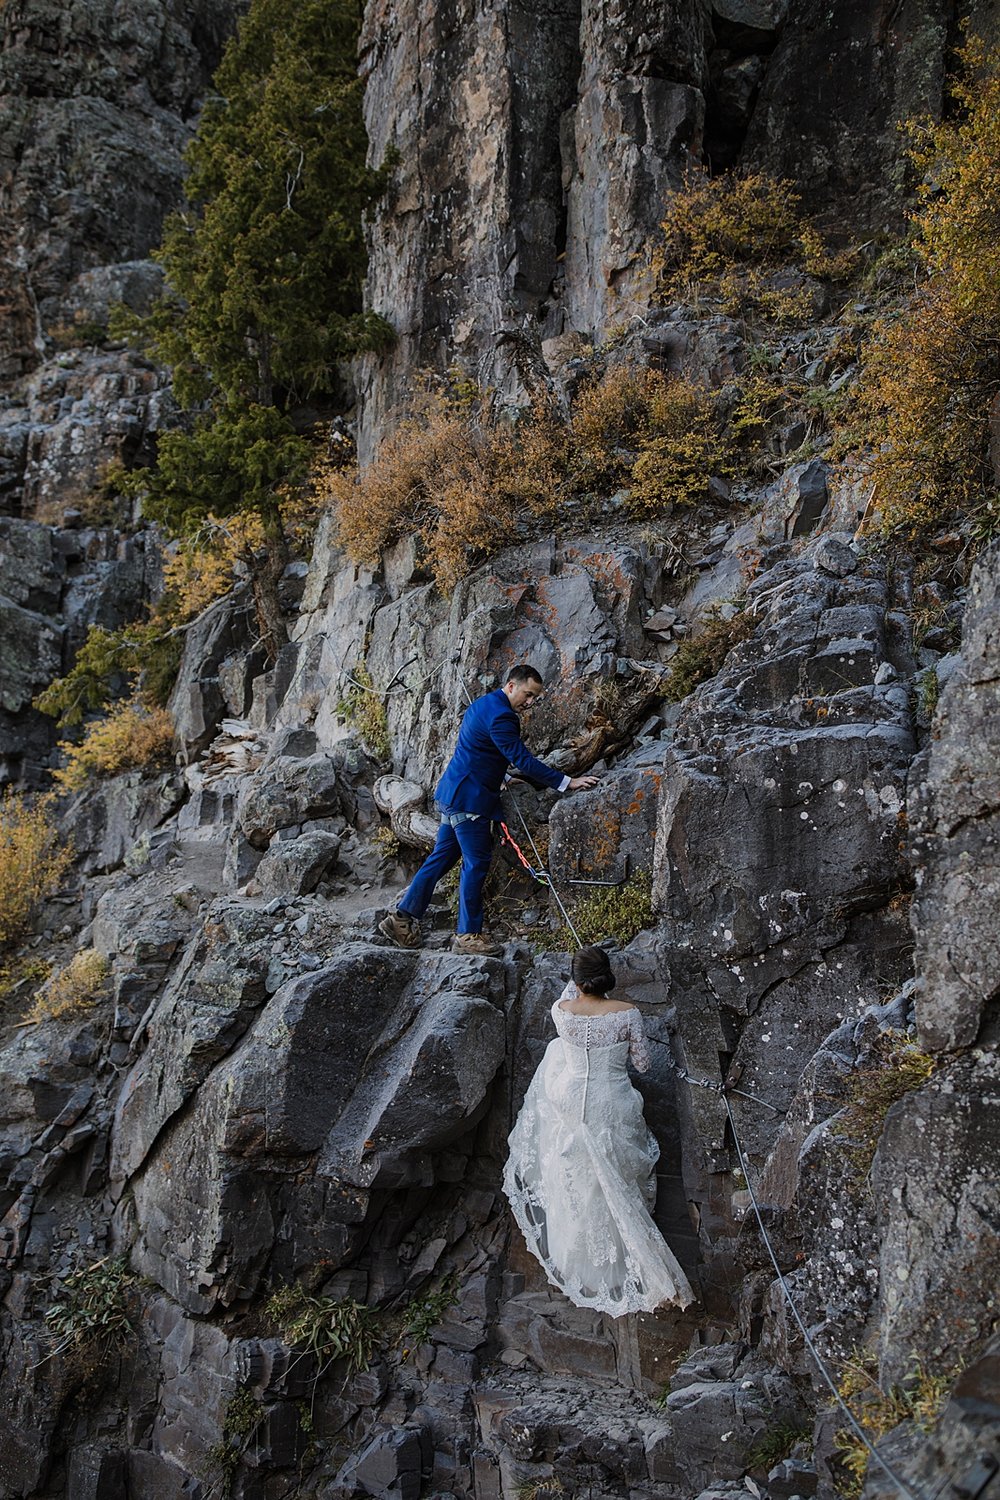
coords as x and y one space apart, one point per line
471 842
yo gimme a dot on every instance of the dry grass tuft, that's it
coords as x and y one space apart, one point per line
74 990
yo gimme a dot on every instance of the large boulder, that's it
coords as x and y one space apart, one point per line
779 850
210 1001
198 700
288 791
346 1089
296 867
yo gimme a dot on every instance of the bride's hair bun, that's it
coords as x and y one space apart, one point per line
592 971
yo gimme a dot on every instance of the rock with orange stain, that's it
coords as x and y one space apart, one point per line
607 833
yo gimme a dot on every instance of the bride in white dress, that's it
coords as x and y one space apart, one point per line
580 1175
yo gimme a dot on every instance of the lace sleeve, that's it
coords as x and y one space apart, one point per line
637 1043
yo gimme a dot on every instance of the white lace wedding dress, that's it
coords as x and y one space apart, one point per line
580 1175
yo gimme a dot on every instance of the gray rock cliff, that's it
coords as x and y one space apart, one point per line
262 1095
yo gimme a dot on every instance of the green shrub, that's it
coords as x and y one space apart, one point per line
613 913
145 655
919 1398
92 1312
265 265
775 1444
425 1312
329 1328
243 1419
235 459
264 272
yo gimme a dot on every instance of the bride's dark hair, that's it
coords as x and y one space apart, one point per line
592 971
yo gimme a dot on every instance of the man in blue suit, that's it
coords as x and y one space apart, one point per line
468 797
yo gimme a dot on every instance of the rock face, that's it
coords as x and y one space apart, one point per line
575 611
794 760
265 1099
120 86
55 584
956 811
311 1107
847 118
509 257
99 101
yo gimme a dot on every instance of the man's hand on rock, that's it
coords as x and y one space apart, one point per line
581 783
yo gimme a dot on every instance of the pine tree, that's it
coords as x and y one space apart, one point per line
269 256
264 271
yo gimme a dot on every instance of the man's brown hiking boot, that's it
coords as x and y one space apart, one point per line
476 945
402 929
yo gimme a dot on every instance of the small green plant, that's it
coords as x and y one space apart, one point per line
363 707
929 614
307 1426
425 1312
775 1444
700 659
899 1066
20 975
244 1415
91 1314
328 1328
919 1398
613 913
928 690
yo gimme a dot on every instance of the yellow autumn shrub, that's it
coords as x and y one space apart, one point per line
712 224
466 484
610 419
130 736
931 370
727 236
686 445
33 861
73 990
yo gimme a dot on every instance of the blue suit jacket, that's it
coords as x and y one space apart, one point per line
488 742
